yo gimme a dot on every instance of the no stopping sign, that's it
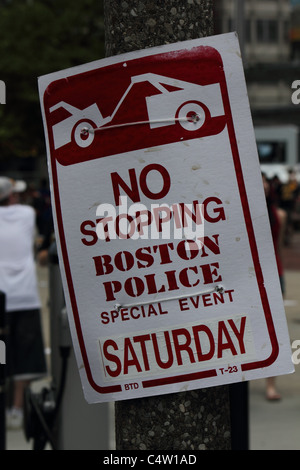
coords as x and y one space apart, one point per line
164 241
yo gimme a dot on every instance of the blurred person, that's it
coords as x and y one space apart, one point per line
41 202
275 187
277 218
18 280
288 195
48 238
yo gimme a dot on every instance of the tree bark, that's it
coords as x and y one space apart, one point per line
137 24
193 420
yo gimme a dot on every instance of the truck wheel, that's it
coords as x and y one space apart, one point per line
82 136
191 116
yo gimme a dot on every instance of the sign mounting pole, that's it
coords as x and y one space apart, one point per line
198 419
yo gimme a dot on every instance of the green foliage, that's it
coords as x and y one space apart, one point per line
39 37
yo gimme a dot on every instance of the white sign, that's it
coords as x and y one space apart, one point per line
164 241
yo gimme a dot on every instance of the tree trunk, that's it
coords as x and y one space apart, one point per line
198 419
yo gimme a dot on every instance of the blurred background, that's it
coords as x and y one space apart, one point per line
39 37
269 35
43 36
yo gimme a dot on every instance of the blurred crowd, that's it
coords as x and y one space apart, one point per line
285 196
24 217
283 203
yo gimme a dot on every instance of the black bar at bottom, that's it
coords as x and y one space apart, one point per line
239 415
2 376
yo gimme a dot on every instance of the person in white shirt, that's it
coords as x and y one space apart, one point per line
18 281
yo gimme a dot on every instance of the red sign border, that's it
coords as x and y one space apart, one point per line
255 256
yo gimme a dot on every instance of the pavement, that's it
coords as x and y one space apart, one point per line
272 425
275 425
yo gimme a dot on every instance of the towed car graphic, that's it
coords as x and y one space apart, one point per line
189 104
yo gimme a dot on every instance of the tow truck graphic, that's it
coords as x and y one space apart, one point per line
189 104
